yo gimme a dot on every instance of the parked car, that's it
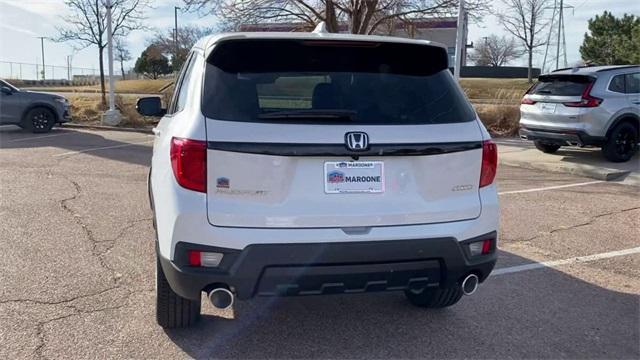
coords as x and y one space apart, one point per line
35 111
356 165
585 106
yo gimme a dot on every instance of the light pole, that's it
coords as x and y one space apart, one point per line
175 36
460 40
111 116
42 50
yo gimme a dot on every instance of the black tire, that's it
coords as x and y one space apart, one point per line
622 143
172 310
546 147
39 120
434 298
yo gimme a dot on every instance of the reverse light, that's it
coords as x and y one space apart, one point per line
204 258
587 100
489 163
189 163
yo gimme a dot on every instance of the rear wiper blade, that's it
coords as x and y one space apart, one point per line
543 92
310 114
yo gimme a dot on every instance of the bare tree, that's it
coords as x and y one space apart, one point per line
121 54
361 16
187 37
525 20
86 25
496 51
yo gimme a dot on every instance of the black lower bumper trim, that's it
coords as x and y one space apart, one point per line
328 268
561 137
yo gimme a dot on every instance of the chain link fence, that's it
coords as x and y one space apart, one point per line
49 73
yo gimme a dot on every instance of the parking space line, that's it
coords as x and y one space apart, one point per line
550 188
573 260
70 153
41 137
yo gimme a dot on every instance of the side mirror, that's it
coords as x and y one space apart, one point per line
150 106
7 90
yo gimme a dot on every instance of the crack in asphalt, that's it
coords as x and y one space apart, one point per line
568 228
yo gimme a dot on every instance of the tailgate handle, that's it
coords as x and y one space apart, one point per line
356 230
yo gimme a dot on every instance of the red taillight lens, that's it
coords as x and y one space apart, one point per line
587 100
486 247
527 101
489 163
194 258
189 163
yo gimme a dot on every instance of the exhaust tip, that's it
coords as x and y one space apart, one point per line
221 298
470 284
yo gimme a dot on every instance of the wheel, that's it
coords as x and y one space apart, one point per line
172 310
622 143
39 120
546 147
434 297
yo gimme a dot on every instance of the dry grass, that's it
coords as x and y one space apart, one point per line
499 90
500 120
88 110
144 86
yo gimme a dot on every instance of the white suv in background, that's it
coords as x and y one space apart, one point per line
314 163
585 106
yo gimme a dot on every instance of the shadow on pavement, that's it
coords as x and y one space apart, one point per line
131 150
536 314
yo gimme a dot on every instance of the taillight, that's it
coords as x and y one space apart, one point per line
587 100
189 163
489 163
527 101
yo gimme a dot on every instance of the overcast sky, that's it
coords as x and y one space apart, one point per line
22 21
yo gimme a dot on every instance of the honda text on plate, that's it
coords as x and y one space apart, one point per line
312 163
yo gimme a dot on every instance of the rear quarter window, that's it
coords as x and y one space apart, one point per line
329 82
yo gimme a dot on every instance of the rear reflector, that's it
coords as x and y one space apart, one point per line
189 163
203 258
489 163
483 247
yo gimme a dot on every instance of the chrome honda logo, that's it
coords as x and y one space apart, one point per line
356 141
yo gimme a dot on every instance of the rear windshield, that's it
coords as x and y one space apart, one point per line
561 85
327 82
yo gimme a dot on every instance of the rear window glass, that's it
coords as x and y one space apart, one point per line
330 82
561 85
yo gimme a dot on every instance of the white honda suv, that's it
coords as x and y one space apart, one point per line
314 163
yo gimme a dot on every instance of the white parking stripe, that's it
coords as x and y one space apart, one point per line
40 137
70 153
550 187
573 260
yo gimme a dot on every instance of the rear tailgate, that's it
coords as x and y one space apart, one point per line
277 131
251 186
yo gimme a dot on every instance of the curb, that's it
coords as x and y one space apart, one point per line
104 127
594 172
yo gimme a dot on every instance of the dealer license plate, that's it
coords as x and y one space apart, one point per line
353 177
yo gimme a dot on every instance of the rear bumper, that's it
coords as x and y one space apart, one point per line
327 268
561 136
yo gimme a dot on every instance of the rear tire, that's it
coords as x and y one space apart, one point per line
172 310
434 298
622 143
546 147
39 120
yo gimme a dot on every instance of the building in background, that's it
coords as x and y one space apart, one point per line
441 30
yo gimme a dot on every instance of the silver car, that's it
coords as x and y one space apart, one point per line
585 106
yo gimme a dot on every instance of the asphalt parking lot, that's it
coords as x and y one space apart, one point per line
77 272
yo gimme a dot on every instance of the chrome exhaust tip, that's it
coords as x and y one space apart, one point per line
221 298
470 284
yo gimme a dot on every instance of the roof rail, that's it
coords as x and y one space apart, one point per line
613 67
